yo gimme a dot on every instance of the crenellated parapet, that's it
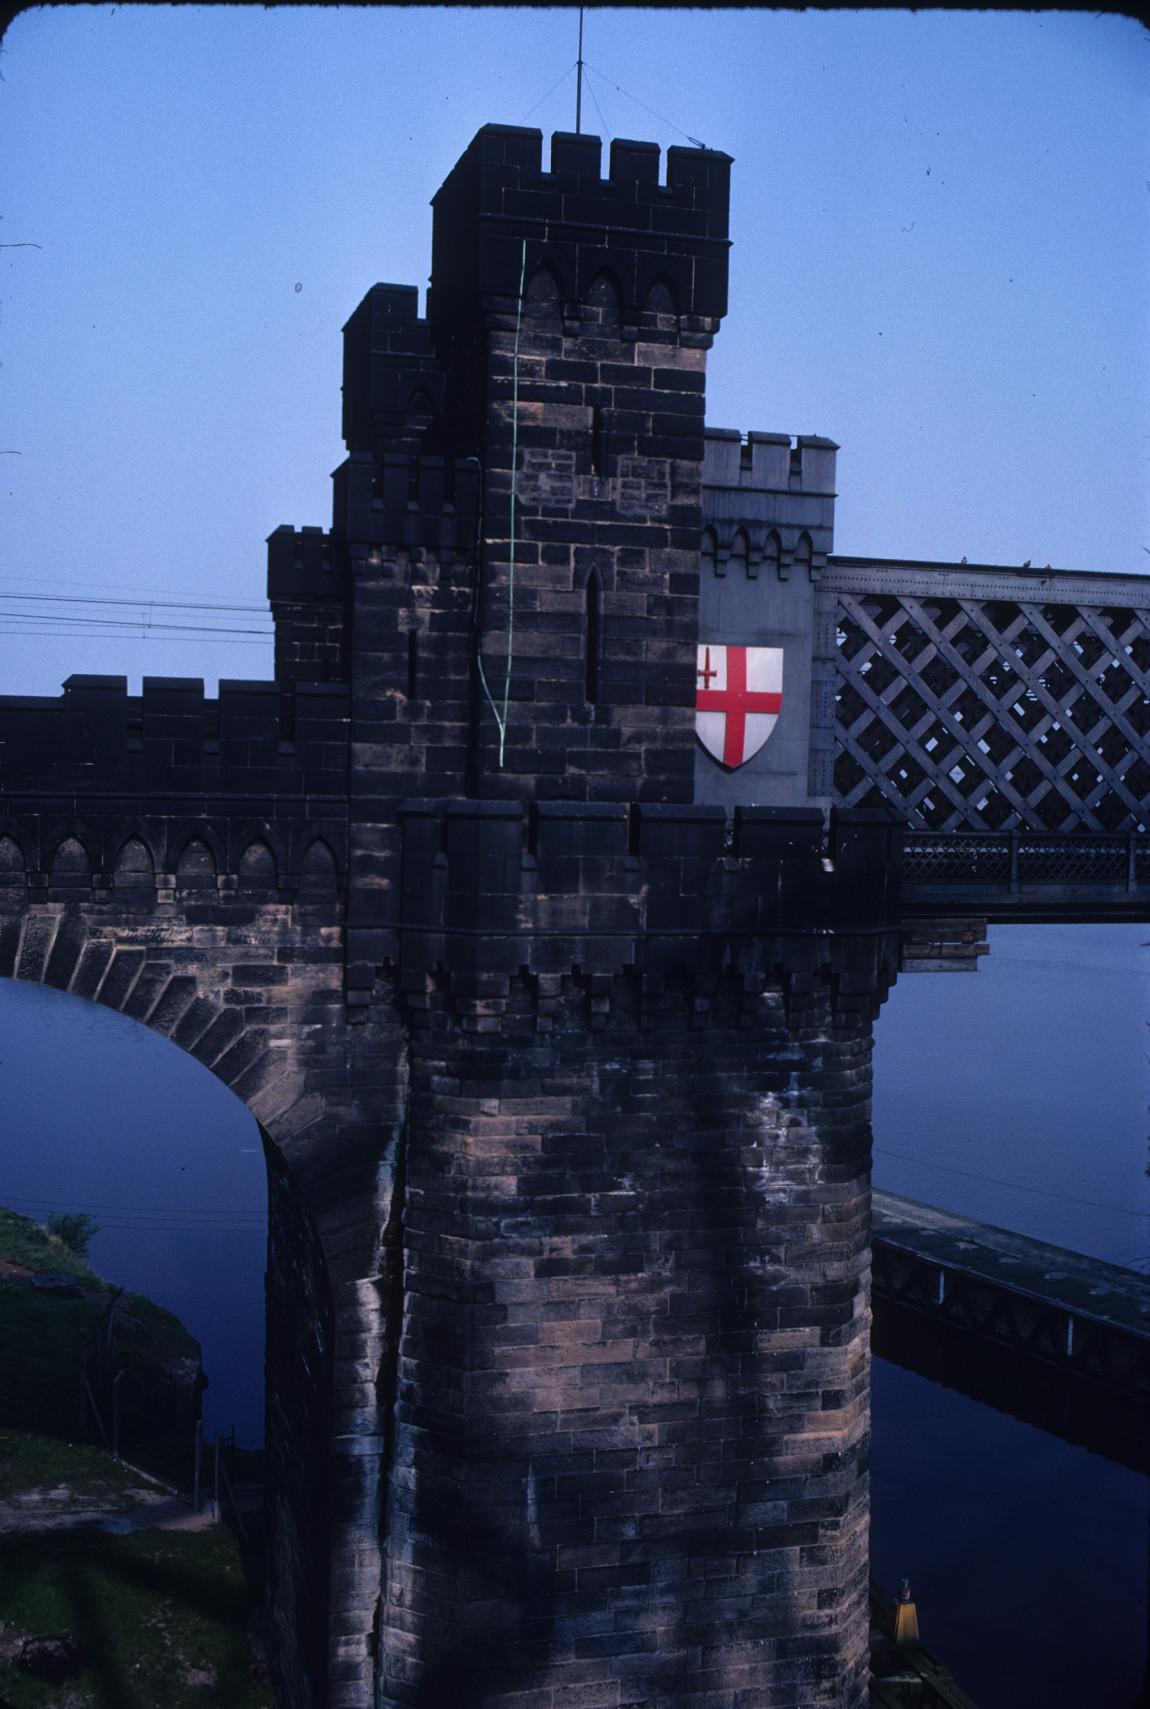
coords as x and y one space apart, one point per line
392 379
768 504
401 498
767 529
257 739
664 242
491 889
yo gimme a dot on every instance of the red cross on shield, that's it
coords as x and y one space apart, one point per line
739 696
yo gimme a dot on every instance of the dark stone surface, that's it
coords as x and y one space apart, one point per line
563 1077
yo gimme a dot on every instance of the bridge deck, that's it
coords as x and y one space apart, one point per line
1044 1302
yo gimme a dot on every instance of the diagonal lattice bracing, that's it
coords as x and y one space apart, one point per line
990 713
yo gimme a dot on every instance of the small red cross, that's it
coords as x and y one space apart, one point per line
706 673
736 700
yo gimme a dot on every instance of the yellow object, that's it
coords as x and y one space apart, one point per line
905 1617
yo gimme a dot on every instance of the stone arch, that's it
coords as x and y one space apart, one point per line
182 836
151 972
708 553
543 293
258 869
804 553
605 299
196 867
662 296
70 867
135 866
773 553
13 862
739 552
319 870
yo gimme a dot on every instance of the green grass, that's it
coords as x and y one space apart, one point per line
43 1338
26 1242
44 1462
163 1614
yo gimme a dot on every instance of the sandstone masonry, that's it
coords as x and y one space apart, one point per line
561 1053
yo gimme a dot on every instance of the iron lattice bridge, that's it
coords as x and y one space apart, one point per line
1005 716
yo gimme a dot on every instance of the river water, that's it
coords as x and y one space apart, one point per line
1017 1095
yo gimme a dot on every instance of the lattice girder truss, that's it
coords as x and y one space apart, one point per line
990 713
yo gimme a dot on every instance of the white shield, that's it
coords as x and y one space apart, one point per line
739 696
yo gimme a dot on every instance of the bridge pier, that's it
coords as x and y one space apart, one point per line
632 1413
564 1072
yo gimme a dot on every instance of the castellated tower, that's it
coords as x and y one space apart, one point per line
609 1403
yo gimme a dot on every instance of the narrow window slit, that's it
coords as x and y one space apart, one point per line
412 664
597 441
594 638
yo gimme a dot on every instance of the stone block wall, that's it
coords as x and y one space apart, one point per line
633 1388
631 1391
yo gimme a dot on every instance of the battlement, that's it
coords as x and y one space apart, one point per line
603 885
401 498
580 224
303 564
255 737
769 462
392 381
510 157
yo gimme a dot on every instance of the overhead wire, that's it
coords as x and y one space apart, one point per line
662 117
549 94
1020 1186
144 599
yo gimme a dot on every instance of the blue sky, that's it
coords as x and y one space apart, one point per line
941 259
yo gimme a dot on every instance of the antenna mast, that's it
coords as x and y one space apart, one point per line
579 78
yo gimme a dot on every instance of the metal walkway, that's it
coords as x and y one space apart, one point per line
1059 1308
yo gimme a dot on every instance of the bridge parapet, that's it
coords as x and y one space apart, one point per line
978 698
256 739
490 889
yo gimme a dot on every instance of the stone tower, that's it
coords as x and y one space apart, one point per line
560 1053
622 1397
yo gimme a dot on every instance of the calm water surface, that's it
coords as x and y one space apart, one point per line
1017 1095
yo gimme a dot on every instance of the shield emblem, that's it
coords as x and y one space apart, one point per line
739 695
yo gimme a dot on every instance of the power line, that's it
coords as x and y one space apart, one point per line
167 640
50 1199
1020 1186
160 628
144 600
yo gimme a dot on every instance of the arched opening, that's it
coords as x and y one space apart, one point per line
106 1119
804 554
542 297
662 298
707 564
604 302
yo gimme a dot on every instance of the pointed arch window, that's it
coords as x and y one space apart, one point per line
604 301
707 564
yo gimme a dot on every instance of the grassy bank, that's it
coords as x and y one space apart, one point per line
44 1336
159 1620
